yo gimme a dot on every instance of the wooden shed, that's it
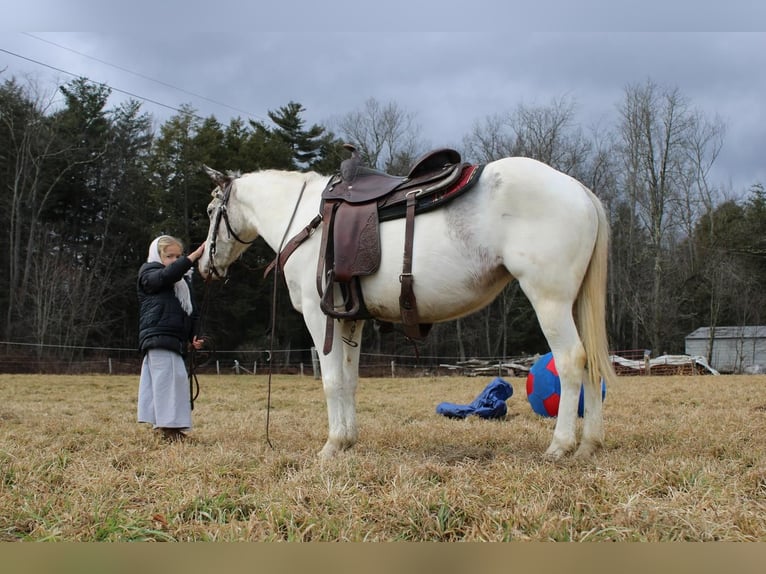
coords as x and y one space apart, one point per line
734 349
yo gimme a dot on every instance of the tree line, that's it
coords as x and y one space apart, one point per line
86 185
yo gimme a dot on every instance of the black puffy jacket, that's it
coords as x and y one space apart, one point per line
163 324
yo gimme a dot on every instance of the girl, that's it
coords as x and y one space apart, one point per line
168 324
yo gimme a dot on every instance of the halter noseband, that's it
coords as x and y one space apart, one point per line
223 213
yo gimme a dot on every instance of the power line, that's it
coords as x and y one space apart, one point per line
132 95
143 76
103 84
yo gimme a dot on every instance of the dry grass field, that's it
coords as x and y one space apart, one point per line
685 460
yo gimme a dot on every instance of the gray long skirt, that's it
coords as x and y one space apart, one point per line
163 391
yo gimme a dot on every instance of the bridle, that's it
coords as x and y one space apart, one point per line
222 213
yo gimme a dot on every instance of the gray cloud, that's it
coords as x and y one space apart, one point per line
448 80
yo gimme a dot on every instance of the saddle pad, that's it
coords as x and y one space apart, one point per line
468 177
356 241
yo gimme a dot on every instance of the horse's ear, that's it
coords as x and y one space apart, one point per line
217 177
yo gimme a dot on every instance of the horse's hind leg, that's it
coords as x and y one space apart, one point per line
593 427
558 326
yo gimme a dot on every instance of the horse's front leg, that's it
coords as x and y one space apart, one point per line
340 374
340 383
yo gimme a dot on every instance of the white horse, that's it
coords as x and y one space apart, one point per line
522 220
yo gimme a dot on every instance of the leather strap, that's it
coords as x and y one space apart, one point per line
293 244
323 265
407 302
328 335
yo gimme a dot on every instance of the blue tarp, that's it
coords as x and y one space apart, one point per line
490 404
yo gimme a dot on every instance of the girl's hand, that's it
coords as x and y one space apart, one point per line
197 253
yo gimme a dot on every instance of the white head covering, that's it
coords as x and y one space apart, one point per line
181 287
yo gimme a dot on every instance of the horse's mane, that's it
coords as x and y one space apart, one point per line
308 175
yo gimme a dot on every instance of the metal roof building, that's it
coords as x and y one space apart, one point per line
734 349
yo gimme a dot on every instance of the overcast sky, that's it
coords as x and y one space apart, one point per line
448 80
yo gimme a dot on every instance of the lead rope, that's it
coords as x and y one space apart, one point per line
274 312
194 364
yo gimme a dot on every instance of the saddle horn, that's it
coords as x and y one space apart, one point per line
349 167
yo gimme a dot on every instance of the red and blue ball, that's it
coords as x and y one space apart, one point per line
544 388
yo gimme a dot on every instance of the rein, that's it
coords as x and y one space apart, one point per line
274 310
194 360
223 214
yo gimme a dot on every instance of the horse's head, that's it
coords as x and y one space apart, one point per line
227 226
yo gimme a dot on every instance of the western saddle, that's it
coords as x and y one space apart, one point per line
354 203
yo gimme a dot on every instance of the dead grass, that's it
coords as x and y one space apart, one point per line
684 460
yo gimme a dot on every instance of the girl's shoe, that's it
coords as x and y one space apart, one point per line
172 434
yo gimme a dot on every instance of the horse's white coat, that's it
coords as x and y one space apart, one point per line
522 220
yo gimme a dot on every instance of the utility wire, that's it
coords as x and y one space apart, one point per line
105 85
132 95
145 77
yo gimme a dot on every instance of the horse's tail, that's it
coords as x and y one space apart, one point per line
591 303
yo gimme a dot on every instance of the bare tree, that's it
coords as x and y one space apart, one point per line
549 134
489 139
700 196
32 142
667 150
385 135
71 177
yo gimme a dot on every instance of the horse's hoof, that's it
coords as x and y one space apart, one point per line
553 455
328 451
587 451
557 450
333 448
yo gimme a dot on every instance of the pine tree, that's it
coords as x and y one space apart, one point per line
305 144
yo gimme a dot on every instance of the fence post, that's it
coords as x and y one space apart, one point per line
110 365
393 371
315 363
218 367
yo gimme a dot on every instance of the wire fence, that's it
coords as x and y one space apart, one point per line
61 359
